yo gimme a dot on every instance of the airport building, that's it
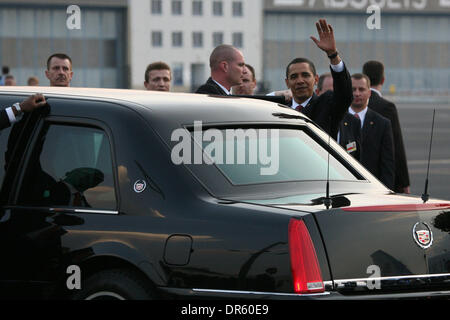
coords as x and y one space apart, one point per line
95 38
116 39
412 39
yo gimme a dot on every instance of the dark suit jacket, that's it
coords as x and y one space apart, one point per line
349 134
4 120
210 87
328 109
378 147
388 110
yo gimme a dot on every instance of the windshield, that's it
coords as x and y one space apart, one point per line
255 156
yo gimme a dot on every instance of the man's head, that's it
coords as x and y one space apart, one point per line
301 77
248 84
33 81
10 81
227 66
375 71
59 70
158 76
325 83
361 91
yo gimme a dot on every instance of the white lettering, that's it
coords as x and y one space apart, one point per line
374 21
198 138
74 20
193 310
419 4
338 3
375 272
240 146
288 2
393 5
273 160
74 280
216 147
183 147
379 3
358 4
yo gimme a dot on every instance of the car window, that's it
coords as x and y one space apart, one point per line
257 156
69 166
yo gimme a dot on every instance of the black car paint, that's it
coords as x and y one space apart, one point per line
227 244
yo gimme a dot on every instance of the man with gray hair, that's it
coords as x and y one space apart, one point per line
227 69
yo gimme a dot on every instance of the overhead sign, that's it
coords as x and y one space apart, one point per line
387 5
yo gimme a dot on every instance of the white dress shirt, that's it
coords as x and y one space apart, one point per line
223 88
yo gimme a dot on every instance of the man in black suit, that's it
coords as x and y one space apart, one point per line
377 153
350 137
375 71
11 114
328 109
227 69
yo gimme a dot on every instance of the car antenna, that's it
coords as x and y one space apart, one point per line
327 200
425 195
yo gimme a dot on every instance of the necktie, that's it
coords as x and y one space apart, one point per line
357 116
299 108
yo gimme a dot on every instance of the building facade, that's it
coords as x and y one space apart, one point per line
183 34
93 36
412 39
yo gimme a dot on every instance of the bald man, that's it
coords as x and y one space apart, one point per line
227 69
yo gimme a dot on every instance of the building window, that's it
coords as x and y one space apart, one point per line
156 38
238 39
217 38
177 7
177 39
217 8
197 8
197 39
237 9
178 74
156 6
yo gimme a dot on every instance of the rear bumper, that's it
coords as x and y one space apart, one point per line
327 295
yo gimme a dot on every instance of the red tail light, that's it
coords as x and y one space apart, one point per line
304 265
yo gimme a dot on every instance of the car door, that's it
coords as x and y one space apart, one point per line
66 172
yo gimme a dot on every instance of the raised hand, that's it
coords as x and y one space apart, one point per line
326 40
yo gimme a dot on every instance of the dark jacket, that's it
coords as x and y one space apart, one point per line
328 109
350 135
210 87
4 120
388 110
378 147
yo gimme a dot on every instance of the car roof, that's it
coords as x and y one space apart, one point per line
181 107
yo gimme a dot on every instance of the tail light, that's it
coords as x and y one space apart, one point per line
304 264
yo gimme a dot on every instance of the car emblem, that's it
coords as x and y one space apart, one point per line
423 235
139 186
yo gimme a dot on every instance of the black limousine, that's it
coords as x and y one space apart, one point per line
126 194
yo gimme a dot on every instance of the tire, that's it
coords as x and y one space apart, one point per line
116 284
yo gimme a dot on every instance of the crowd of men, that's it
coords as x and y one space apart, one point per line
348 107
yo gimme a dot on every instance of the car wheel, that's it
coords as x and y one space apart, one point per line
114 284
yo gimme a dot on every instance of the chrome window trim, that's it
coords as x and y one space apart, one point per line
98 211
259 292
362 282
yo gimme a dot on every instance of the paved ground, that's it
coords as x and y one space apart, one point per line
416 119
